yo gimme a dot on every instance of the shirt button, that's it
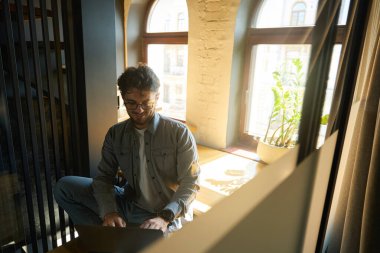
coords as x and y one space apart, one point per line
135 175
146 143
153 178
147 161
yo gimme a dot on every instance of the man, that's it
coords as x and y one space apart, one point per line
154 157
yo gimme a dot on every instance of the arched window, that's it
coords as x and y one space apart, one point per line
181 22
165 50
280 33
298 14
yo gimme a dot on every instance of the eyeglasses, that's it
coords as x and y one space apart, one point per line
132 105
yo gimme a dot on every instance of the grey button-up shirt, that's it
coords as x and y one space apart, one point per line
172 161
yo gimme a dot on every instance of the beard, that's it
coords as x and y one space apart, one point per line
141 120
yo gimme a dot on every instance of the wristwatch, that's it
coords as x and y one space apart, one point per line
167 215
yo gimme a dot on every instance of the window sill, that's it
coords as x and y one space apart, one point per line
243 151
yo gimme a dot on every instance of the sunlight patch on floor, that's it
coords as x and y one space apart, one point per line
222 174
228 173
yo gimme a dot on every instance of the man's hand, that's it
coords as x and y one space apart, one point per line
113 220
155 223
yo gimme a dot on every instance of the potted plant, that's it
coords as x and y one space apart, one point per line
284 120
282 130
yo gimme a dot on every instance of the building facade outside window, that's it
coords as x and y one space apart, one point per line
298 14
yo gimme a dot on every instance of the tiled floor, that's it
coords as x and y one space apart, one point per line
222 173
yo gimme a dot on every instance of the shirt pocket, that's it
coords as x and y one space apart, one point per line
165 162
124 157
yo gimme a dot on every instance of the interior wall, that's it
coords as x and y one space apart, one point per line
100 49
119 36
135 29
210 50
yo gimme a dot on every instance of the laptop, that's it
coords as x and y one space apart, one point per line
100 239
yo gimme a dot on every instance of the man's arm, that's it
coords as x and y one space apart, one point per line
103 187
188 171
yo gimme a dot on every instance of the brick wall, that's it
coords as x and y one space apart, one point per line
211 38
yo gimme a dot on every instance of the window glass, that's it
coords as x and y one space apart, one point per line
168 16
330 90
288 13
345 4
265 60
274 13
169 62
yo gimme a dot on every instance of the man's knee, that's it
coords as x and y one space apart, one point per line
63 187
69 188
59 189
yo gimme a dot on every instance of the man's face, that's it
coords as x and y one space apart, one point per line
141 105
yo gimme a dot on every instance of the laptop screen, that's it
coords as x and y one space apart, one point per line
100 239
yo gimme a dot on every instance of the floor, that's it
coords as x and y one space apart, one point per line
222 173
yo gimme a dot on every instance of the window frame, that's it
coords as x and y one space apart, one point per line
162 38
278 35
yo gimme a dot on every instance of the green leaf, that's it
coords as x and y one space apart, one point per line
288 89
325 119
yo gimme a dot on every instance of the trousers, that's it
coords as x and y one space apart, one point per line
75 195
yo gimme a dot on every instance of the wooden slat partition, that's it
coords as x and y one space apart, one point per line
20 123
53 115
39 119
68 32
64 123
27 83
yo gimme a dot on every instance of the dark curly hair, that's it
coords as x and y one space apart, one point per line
141 77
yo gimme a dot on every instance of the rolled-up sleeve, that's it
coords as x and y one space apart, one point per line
103 183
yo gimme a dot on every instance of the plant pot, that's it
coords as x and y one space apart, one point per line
269 153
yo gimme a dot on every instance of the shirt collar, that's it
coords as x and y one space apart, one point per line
152 126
